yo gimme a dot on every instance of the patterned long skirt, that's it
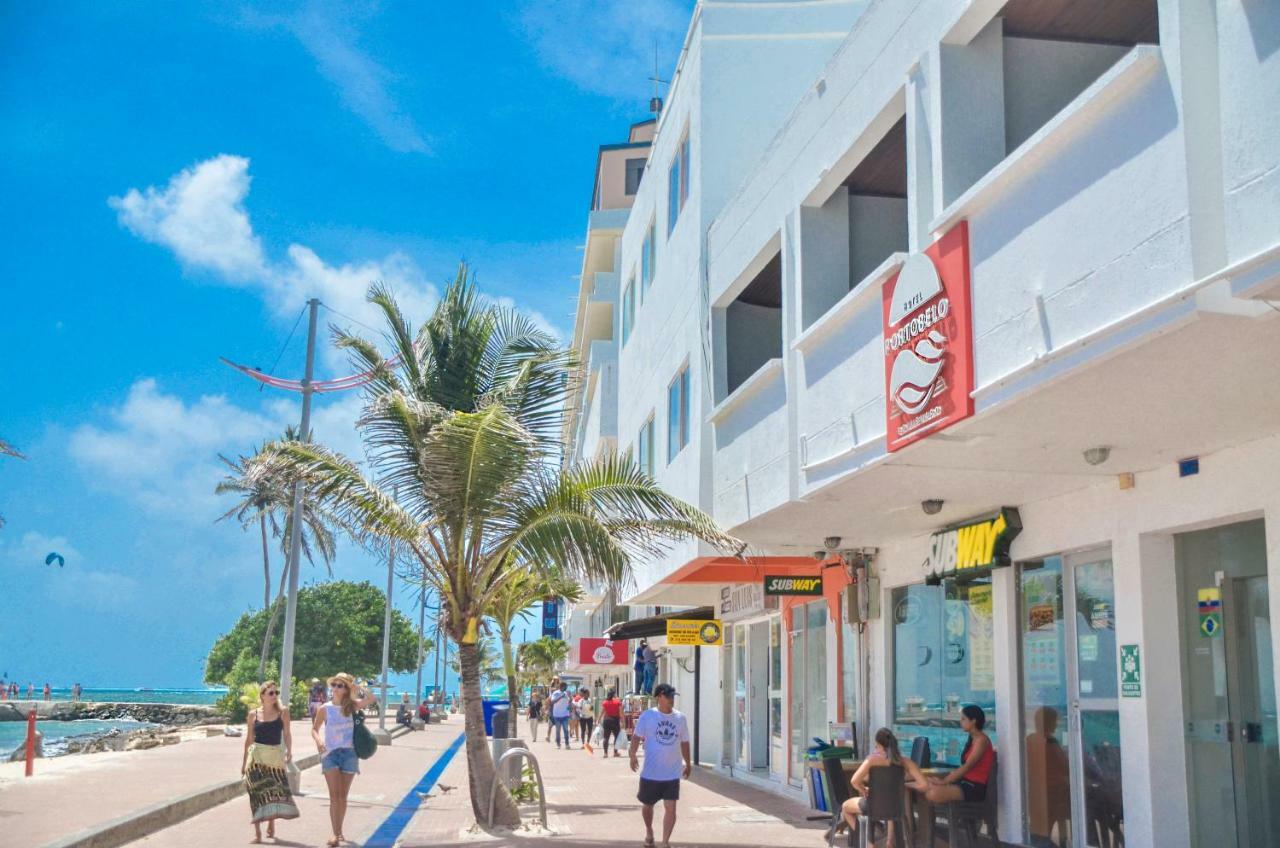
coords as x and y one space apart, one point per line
267 783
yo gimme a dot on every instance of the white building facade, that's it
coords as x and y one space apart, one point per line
979 305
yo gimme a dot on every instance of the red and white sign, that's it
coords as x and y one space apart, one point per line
603 652
928 341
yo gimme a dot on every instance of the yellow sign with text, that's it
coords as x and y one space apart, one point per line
977 545
683 631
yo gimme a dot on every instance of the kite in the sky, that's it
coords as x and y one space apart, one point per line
55 557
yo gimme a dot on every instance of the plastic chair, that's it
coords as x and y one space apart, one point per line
920 753
886 786
969 815
841 791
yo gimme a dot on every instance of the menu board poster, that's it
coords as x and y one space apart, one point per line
982 663
1040 656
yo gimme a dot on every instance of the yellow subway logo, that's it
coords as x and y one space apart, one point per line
793 585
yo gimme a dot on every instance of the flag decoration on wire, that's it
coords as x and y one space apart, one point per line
352 381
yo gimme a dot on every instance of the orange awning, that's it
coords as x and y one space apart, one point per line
698 581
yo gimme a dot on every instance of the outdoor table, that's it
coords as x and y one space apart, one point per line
915 802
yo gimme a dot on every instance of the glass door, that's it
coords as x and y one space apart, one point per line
777 751
1095 705
1046 752
1070 702
808 679
741 735
758 690
1228 684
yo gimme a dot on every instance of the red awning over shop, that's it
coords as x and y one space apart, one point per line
699 580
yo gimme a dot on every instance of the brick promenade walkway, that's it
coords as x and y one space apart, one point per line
591 802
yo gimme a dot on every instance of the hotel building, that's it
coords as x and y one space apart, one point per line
972 310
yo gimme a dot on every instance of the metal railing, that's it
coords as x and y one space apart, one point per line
537 772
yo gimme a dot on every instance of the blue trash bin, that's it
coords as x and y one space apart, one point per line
488 705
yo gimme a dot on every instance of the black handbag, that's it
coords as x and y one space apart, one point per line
362 740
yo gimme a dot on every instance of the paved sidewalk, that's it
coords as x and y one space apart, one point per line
592 802
68 794
384 781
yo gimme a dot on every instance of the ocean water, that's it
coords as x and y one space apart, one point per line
133 696
14 733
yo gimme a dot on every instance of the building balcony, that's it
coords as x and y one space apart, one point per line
598 423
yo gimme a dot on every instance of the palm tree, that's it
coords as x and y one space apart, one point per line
263 500
7 449
511 602
490 662
462 428
540 659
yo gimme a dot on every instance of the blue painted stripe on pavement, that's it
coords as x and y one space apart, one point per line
389 831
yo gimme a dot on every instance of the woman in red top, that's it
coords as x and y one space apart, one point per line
969 781
611 723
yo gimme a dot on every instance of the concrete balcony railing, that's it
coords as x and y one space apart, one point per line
598 427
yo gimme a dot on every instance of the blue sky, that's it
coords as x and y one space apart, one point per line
178 179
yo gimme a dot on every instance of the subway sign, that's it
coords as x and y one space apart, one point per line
778 585
974 546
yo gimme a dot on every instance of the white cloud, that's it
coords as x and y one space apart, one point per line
362 83
607 48
161 452
200 216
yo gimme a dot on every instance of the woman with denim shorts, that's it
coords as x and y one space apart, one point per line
337 747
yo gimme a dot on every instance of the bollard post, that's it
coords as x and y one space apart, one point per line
31 741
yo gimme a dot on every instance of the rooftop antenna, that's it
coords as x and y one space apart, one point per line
655 102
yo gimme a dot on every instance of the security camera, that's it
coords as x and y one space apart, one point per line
1098 455
819 555
932 506
831 543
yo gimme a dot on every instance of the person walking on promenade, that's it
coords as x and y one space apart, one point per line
650 668
560 709
268 748
535 713
586 717
337 747
611 721
315 698
665 734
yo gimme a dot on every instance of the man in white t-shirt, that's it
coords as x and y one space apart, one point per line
665 734
560 704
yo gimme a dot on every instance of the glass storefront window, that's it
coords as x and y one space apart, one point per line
943 651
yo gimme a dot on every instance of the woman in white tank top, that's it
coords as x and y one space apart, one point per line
337 747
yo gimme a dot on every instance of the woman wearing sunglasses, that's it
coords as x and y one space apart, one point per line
337 746
268 747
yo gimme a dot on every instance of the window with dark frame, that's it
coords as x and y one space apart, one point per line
635 171
678 414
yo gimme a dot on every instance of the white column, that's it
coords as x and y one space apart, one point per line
1152 749
1008 674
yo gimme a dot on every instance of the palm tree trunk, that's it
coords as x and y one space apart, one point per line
480 766
509 666
271 625
266 591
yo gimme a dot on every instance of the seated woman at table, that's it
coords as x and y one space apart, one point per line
885 754
968 782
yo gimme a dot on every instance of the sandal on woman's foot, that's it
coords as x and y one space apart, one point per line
648 842
333 842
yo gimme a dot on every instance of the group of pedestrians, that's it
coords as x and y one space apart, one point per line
268 752
661 730
11 691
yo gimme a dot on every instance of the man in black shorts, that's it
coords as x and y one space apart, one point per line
665 734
